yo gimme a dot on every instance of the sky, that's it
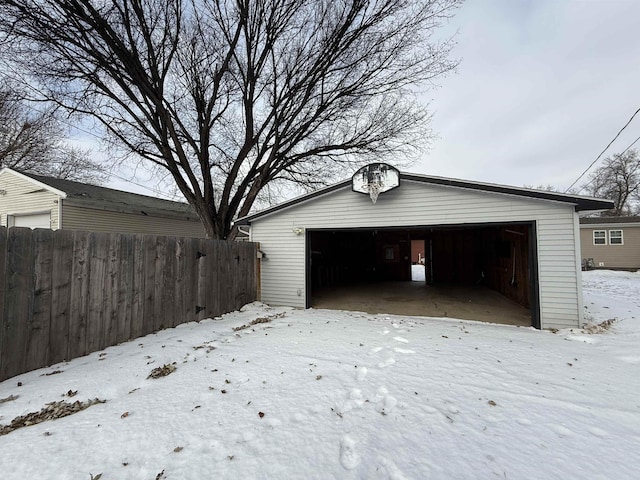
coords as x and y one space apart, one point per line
542 87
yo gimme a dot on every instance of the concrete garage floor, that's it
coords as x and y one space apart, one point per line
416 298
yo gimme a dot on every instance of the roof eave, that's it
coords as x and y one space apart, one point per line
581 204
22 176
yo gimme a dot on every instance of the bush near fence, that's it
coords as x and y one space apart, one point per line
64 294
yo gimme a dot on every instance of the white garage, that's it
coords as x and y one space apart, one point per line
478 241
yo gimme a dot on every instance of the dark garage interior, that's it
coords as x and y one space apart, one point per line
480 272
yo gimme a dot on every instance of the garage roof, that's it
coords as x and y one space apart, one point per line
580 202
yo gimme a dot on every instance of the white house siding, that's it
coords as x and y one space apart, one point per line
420 204
23 197
95 220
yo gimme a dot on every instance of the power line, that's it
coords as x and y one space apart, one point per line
619 155
605 149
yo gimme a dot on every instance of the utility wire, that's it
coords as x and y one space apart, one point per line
619 155
605 149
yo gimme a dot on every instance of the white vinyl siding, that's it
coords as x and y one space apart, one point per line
80 218
23 197
419 204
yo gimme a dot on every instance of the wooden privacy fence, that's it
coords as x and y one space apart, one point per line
68 293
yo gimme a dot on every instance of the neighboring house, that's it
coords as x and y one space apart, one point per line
519 242
611 242
36 201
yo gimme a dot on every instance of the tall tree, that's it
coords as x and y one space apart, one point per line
232 95
34 141
618 179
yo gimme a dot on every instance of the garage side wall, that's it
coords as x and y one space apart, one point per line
23 197
418 204
80 218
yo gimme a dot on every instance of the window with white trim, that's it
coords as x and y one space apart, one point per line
599 237
615 237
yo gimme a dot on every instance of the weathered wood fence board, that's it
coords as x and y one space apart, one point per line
64 294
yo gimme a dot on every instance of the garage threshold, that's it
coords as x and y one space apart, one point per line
417 299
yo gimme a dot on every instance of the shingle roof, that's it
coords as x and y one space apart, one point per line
605 220
109 198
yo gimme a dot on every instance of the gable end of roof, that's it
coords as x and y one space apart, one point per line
580 203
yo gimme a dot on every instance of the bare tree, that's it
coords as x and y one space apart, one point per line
618 179
34 141
229 96
545 188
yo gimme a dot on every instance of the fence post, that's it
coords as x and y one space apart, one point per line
3 289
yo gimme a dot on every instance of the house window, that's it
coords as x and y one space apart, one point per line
599 237
615 237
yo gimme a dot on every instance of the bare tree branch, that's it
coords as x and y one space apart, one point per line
33 140
233 97
618 179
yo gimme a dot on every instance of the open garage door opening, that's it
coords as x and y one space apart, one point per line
481 272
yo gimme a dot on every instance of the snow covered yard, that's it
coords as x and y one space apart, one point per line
327 394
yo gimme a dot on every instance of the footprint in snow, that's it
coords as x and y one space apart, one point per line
392 469
272 422
349 458
598 432
389 361
374 350
401 339
384 402
562 430
387 404
403 350
384 332
629 359
523 421
361 373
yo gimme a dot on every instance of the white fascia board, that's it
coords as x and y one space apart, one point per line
55 191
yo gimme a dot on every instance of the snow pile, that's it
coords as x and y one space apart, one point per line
277 393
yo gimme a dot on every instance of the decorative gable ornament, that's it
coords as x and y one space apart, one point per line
374 179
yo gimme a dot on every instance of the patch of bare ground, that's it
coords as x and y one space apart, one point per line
163 371
10 398
50 411
258 320
601 327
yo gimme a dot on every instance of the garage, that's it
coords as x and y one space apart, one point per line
477 272
499 252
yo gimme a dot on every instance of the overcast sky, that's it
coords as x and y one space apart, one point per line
542 87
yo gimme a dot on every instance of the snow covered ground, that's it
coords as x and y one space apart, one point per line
324 394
